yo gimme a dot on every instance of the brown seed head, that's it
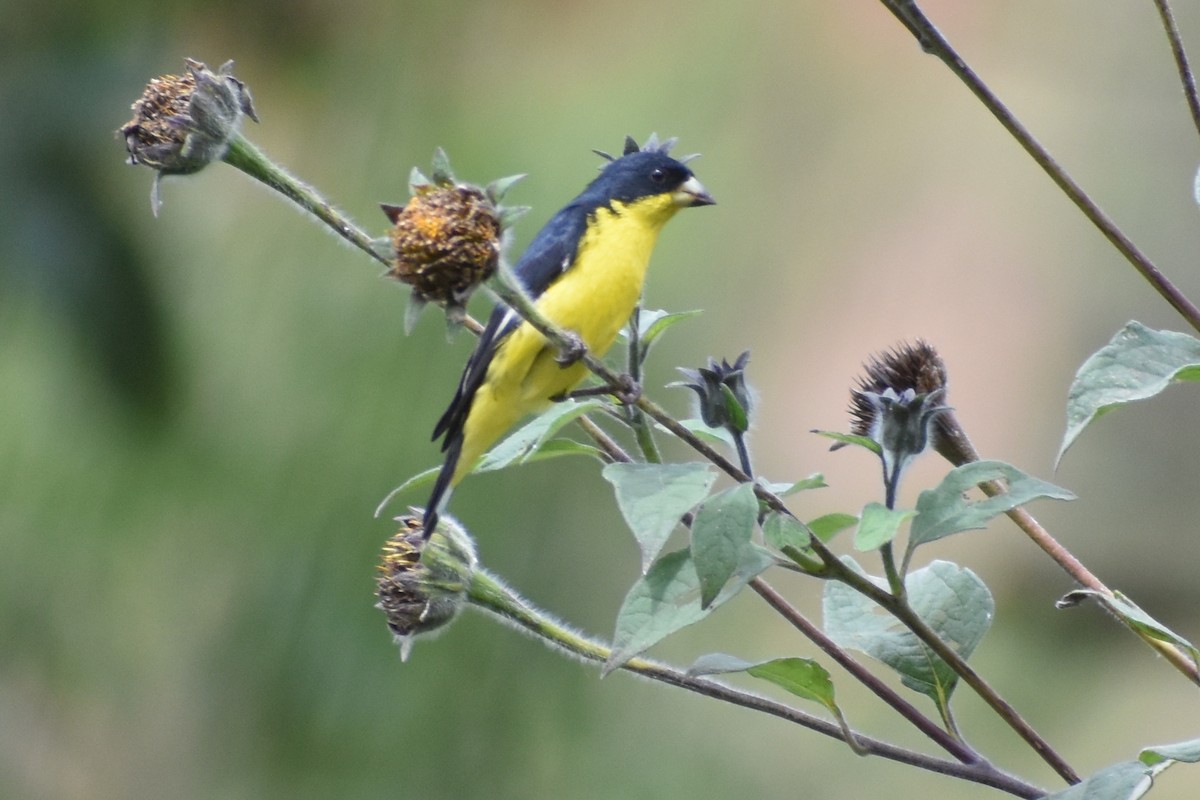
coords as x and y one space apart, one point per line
446 242
908 365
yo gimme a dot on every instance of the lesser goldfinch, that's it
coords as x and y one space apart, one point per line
584 270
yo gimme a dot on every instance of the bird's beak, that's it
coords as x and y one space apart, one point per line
692 193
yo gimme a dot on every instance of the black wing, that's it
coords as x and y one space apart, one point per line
548 256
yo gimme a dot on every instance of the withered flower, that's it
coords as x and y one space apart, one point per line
423 583
183 123
449 237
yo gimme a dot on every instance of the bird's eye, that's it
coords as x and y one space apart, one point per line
658 175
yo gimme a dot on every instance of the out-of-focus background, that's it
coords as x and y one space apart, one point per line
199 413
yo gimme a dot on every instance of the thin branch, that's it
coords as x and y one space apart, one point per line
932 41
904 613
1181 60
490 594
953 444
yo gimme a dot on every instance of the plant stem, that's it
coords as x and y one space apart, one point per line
902 611
489 594
1181 61
953 444
932 41
950 744
525 307
249 159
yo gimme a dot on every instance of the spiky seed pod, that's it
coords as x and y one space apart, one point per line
183 123
422 583
908 365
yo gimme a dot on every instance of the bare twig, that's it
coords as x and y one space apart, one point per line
932 41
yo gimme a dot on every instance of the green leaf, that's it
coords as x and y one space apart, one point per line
1132 613
702 431
814 481
528 439
1137 364
1125 781
721 530
827 526
951 599
442 173
653 497
801 677
878 525
496 190
654 322
943 510
1188 751
851 438
555 448
667 598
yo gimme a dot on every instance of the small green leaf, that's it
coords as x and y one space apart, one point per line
528 439
843 439
498 188
1124 781
653 497
555 448
951 599
667 598
827 526
443 175
702 431
802 677
1132 613
1188 752
721 530
943 510
654 322
416 180
814 481
878 525
1137 364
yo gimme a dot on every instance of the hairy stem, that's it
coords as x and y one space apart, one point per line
249 159
490 594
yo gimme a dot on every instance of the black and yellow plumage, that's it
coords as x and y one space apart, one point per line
585 271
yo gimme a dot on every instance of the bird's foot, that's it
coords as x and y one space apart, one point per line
572 351
626 390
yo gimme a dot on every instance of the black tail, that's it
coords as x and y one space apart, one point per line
441 487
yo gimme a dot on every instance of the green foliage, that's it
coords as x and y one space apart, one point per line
952 600
802 677
1137 364
721 531
654 497
944 510
667 598
1134 616
878 525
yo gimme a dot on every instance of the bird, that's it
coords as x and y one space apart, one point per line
584 271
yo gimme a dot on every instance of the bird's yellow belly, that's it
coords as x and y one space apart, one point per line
594 299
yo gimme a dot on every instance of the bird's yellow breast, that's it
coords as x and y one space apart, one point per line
594 298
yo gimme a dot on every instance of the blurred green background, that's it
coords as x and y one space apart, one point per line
199 413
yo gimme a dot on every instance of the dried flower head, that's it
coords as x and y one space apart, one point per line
916 366
423 583
897 403
449 237
725 399
182 123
